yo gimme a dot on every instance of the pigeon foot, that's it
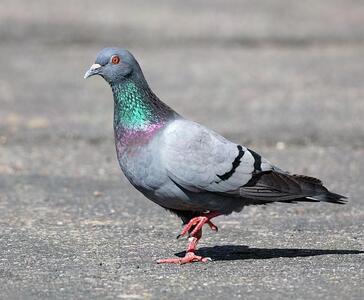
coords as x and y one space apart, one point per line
195 224
190 257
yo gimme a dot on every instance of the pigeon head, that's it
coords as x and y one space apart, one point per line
115 65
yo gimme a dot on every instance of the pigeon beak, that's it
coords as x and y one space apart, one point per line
94 70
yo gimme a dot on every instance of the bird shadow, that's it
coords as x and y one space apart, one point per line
239 252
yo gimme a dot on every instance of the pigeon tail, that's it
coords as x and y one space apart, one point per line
330 197
317 185
274 186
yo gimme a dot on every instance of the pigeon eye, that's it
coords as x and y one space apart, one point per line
115 59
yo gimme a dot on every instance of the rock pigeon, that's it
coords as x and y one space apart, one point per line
185 167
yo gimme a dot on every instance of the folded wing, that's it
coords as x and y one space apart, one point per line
200 160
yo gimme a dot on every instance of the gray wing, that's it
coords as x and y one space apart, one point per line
199 159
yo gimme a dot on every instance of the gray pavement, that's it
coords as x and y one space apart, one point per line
284 78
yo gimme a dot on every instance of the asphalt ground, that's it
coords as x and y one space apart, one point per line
283 78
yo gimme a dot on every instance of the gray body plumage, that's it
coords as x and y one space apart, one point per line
182 165
187 167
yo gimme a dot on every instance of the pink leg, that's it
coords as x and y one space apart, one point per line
194 226
190 253
197 223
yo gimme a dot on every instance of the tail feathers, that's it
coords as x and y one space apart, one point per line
330 197
326 195
275 186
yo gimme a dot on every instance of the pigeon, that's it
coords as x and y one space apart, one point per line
186 167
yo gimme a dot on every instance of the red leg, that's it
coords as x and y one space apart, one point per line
197 223
194 226
190 253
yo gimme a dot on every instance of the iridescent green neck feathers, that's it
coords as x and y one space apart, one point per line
136 107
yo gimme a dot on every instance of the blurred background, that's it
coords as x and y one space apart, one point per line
284 78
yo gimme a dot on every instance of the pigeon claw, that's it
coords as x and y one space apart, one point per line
190 257
212 226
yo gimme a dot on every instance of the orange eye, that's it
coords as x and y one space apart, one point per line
115 59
